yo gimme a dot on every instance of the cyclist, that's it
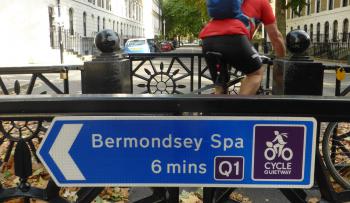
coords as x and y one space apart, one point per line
278 147
230 37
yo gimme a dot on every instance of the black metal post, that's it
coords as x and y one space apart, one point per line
107 73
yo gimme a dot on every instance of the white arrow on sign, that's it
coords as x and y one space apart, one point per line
60 151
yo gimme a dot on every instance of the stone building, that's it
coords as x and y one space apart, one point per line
31 28
324 20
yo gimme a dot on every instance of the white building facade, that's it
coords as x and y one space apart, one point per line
31 27
153 18
324 20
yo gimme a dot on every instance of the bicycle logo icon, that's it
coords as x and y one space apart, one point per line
277 148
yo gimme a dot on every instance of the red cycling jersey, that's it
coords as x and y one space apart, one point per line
258 10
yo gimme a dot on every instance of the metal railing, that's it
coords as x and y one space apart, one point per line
326 50
77 44
18 112
339 37
165 73
28 77
331 50
43 108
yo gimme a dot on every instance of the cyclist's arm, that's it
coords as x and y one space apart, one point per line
276 39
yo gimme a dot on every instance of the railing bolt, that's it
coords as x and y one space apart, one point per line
24 186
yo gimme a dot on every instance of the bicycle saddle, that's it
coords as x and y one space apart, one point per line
213 54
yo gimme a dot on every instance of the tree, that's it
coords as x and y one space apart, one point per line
280 10
181 18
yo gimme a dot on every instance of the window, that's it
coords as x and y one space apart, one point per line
71 30
345 3
108 5
98 24
292 13
345 30
335 31
305 28
308 7
126 8
330 4
311 32
99 3
52 27
318 6
318 32
326 31
84 23
130 9
291 28
103 3
104 23
113 25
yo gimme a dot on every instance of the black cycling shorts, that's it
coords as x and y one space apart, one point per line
236 50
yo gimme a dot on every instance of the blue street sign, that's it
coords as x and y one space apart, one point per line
181 151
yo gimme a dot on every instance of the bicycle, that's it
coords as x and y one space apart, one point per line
336 149
233 85
276 148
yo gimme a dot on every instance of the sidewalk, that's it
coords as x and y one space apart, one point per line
332 62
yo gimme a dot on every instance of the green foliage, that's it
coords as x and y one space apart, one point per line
182 18
296 5
187 17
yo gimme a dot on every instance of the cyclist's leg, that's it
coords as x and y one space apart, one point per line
251 83
250 64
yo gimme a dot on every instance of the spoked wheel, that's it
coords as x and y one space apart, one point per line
233 87
234 84
336 152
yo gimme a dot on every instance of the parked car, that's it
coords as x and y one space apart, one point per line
140 45
166 46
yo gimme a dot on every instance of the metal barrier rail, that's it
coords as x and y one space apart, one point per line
171 77
44 107
337 68
37 72
331 50
48 106
182 66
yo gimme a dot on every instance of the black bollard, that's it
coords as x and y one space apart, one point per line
107 73
298 75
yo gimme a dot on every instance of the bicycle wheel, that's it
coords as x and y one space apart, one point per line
336 152
234 85
336 149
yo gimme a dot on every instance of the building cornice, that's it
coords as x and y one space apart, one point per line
335 12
